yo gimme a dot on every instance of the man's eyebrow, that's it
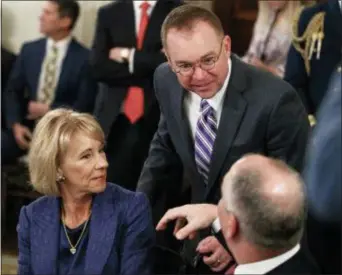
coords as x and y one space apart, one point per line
187 62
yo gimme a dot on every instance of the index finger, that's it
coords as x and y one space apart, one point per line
170 215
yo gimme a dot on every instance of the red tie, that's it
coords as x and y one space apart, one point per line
134 103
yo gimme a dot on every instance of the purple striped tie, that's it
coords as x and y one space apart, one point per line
205 139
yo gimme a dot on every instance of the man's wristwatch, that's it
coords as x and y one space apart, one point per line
124 54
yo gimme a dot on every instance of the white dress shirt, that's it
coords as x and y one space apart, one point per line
340 2
62 46
192 103
265 266
137 17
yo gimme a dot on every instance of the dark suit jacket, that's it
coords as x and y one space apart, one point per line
115 76
261 113
312 88
300 263
323 170
7 62
75 89
121 235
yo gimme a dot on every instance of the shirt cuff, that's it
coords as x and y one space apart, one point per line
216 226
131 61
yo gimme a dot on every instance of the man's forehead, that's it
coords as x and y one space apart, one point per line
191 47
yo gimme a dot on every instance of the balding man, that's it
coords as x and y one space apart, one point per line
261 214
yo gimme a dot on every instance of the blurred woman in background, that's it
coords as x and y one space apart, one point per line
272 35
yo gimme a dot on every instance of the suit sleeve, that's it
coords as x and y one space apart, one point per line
145 63
163 165
14 93
288 130
295 72
23 230
104 69
138 239
323 168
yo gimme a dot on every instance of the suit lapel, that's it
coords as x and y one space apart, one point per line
128 34
46 228
199 187
67 65
38 69
155 21
233 109
101 233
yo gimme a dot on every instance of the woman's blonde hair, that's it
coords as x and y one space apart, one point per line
265 12
50 142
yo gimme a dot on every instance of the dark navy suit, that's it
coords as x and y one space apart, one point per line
121 235
312 88
75 88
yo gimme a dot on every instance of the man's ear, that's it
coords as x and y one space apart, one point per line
227 44
66 22
233 226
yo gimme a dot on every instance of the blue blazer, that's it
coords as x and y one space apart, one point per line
75 89
121 235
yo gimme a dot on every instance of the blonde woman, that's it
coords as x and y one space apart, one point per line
272 35
83 224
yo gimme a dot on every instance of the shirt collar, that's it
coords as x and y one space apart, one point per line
262 267
61 45
138 3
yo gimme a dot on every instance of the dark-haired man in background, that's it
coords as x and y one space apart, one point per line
49 72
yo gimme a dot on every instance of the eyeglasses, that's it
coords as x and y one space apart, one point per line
206 64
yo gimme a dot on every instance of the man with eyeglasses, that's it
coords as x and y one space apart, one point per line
214 109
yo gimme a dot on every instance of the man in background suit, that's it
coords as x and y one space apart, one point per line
126 50
214 109
50 72
323 181
7 62
261 216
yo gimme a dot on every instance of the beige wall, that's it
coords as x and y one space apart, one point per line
19 21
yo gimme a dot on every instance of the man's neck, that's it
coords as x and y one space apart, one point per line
250 254
59 36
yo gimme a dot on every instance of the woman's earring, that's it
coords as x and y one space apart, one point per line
60 179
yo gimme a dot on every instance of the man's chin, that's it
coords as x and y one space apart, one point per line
205 93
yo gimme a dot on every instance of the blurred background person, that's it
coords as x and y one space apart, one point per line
49 72
315 52
323 180
272 35
261 215
7 62
123 59
83 224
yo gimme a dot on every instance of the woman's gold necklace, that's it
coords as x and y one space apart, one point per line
73 248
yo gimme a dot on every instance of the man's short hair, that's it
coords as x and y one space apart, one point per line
186 16
68 8
262 221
